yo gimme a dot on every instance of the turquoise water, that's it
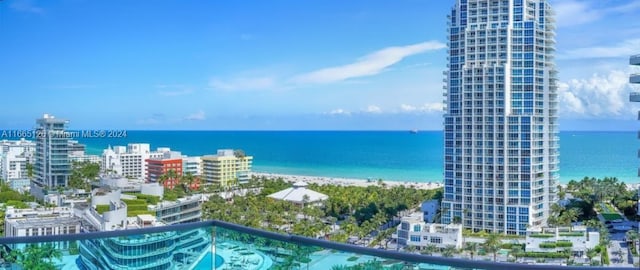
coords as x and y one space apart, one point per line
390 155
205 263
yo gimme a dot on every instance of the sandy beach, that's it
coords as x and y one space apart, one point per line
347 181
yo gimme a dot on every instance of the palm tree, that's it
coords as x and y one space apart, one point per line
30 170
171 176
471 247
429 249
187 181
492 244
449 250
590 252
515 251
410 249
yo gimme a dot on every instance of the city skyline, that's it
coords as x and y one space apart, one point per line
314 66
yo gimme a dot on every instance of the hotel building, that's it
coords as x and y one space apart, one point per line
128 161
226 167
501 116
192 165
52 167
14 157
634 79
156 167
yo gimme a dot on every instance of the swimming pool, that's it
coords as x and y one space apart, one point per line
205 263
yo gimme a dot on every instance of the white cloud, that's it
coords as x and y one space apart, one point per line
197 116
598 96
174 90
425 108
368 65
622 49
244 83
373 109
573 12
26 6
339 112
155 119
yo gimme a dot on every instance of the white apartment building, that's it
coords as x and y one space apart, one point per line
128 161
413 231
500 115
577 238
183 210
14 157
191 165
41 221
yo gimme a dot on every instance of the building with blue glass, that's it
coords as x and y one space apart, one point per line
501 116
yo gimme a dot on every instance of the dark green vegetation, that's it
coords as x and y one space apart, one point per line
10 197
82 173
137 207
35 257
359 210
593 196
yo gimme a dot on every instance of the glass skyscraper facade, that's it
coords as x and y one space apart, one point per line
501 115
52 167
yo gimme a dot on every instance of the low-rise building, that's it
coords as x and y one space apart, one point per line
21 185
40 221
577 238
226 167
429 209
413 231
182 210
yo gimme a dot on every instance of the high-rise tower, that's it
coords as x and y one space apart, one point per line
501 115
52 167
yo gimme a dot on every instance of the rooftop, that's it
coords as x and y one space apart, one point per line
297 194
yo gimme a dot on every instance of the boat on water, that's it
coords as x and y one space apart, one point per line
413 131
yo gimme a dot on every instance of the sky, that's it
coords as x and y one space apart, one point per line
280 64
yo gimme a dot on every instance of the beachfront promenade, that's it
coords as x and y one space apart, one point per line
322 180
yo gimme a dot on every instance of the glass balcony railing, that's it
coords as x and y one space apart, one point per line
217 245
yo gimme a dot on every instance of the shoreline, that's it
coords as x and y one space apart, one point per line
322 180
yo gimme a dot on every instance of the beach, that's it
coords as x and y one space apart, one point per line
320 180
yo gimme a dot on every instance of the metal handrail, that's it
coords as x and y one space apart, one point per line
294 239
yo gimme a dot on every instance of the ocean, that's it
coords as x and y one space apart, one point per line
388 155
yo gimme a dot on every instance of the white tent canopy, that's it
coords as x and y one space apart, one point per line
296 194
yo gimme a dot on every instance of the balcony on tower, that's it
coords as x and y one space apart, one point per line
634 60
635 96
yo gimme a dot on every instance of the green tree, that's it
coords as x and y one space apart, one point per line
492 244
36 257
187 182
449 250
170 176
429 249
471 247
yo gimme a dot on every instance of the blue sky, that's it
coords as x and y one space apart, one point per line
362 64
